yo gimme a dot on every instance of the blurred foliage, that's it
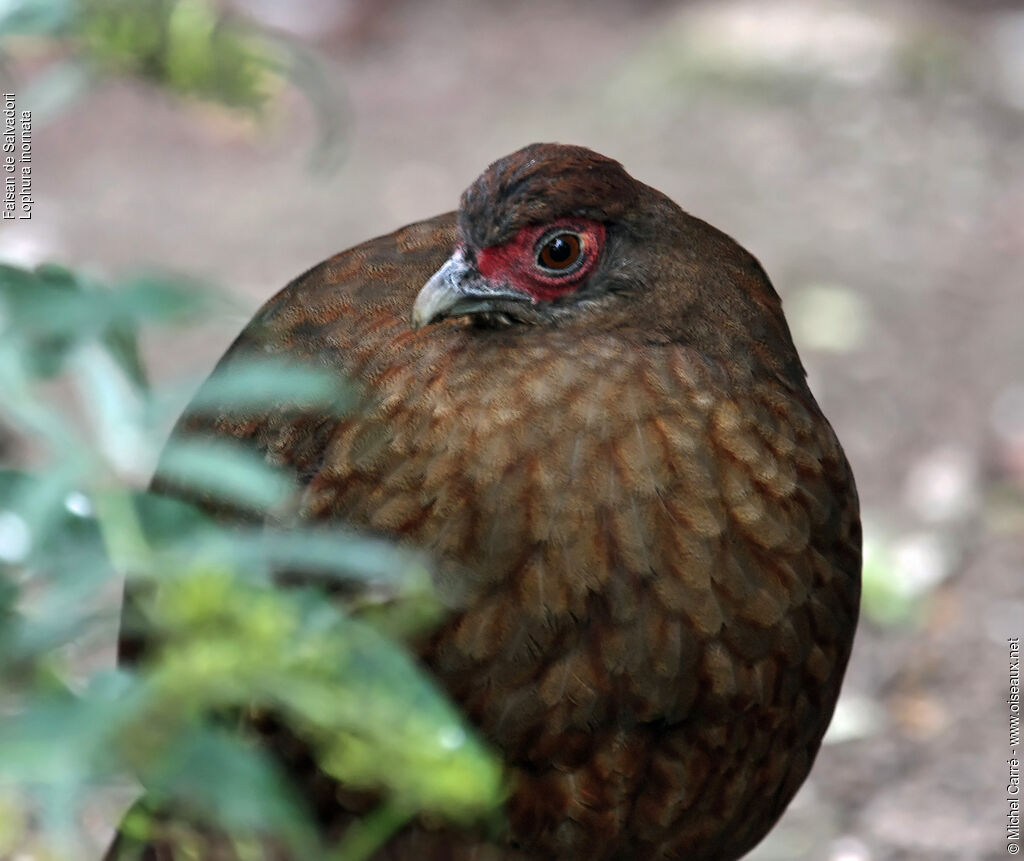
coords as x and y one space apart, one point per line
230 640
323 657
183 44
889 597
188 47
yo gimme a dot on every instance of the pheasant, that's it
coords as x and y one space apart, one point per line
585 404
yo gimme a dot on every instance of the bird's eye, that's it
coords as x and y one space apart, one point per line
560 253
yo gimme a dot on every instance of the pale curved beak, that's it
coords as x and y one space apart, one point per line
457 289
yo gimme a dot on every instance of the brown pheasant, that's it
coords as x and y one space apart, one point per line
586 405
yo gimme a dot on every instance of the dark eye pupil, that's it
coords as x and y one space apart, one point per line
559 250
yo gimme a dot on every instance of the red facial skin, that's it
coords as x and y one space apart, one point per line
515 262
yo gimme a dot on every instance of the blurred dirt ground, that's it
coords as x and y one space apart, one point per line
871 155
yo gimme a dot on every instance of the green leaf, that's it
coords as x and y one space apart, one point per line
185 45
62 740
211 776
39 500
257 384
224 472
337 554
51 310
165 298
115 409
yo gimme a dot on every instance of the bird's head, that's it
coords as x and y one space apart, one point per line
560 235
